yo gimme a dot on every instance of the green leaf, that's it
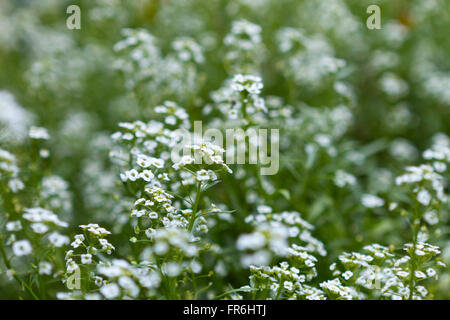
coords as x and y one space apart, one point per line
285 193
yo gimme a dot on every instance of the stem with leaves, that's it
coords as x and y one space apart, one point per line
14 274
195 206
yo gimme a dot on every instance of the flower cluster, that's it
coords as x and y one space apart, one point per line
9 171
429 187
283 282
134 154
243 45
240 98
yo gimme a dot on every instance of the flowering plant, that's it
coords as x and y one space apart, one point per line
269 149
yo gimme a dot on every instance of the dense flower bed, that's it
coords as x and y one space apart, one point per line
350 201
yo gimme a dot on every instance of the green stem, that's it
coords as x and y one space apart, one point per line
195 207
16 276
416 227
194 285
278 292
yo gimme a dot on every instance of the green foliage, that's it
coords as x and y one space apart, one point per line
94 205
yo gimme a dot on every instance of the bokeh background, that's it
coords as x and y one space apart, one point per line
395 82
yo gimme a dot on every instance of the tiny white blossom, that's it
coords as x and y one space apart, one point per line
110 291
22 248
86 258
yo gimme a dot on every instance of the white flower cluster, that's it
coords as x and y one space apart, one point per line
371 201
144 65
439 152
170 242
244 49
165 230
62 71
86 246
382 274
428 184
310 60
206 153
44 225
437 85
320 129
40 215
9 171
38 133
55 192
125 280
174 114
342 179
14 120
284 282
157 207
188 50
350 106
240 98
336 290
294 227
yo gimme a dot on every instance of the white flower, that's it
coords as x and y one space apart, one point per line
110 291
79 237
143 161
15 185
251 84
342 179
419 274
129 285
393 206
431 272
146 175
45 268
44 153
252 241
108 247
39 228
132 174
98 281
138 213
13 225
57 239
156 162
371 201
431 217
14 119
171 120
161 248
172 269
206 175
403 274
263 209
149 232
71 266
43 215
422 291
39 133
92 296
439 166
288 285
347 275
309 263
76 243
95 229
86 258
424 197
22 248
196 267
